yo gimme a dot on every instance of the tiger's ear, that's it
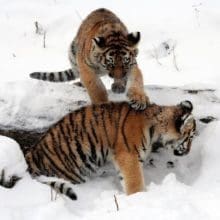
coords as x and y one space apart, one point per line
185 120
134 38
99 42
186 106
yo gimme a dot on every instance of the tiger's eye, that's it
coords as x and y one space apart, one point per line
110 60
111 65
126 60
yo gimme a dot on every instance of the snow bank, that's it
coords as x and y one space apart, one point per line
11 158
188 189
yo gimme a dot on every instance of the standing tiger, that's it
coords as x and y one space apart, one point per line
103 46
84 140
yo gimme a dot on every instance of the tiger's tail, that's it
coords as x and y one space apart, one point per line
63 188
62 76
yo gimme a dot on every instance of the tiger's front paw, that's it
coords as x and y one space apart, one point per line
118 87
138 100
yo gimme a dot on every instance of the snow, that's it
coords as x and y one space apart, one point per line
189 190
11 157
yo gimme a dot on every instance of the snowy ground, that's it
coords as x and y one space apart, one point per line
191 189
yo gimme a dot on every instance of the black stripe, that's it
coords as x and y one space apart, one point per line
38 75
37 158
69 133
92 147
44 77
69 74
76 141
35 75
81 135
33 164
92 160
151 132
106 154
68 144
46 145
61 187
94 113
60 170
143 145
52 184
117 122
40 161
60 76
59 151
104 126
82 155
51 77
73 48
71 120
99 162
123 130
93 131
65 138
83 116
71 194
119 46
36 161
139 157
102 152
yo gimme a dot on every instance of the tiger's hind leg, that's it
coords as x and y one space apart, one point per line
8 182
131 172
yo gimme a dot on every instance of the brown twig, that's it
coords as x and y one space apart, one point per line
174 60
155 55
51 193
44 40
116 202
36 27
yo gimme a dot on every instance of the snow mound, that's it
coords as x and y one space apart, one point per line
11 158
35 104
177 187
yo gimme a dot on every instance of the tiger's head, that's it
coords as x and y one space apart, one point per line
180 129
115 54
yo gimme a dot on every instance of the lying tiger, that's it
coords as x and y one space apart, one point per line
86 139
103 46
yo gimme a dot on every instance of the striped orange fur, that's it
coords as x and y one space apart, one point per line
84 140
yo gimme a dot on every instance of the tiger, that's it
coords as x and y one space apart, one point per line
103 46
86 139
